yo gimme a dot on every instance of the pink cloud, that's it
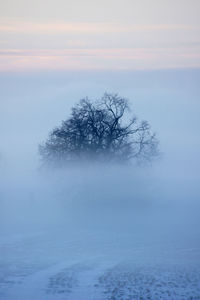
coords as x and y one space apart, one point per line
87 28
98 59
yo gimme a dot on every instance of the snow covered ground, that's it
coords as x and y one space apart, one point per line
85 262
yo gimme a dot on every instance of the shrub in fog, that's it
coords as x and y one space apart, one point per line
103 131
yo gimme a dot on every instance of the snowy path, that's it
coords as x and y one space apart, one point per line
60 281
86 266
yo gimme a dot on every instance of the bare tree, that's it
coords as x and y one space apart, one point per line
100 130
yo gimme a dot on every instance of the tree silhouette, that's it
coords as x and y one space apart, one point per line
100 130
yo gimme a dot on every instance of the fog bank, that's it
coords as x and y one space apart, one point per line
101 196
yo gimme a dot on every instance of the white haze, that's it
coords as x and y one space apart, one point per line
33 104
113 212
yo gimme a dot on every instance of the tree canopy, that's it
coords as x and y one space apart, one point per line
100 130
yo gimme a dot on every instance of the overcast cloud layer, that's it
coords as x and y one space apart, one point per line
91 35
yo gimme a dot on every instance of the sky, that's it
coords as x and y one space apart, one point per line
99 35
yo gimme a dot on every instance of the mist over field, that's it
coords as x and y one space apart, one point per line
96 216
